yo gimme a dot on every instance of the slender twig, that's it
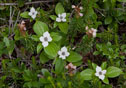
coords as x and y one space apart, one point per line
100 12
16 20
27 3
2 19
18 53
120 22
10 19
3 26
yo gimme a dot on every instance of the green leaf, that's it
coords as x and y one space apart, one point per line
123 47
104 65
51 49
106 81
2 45
96 53
121 0
89 13
27 75
2 7
109 44
59 9
11 47
78 63
44 81
6 41
55 24
48 86
35 37
74 57
40 27
63 27
43 58
86 74
59 66
34 63
39 47
55 36
108 20
20 3
113 72
16 70
107 86
53 17
25 15
45 72
104 0
94 66
27 85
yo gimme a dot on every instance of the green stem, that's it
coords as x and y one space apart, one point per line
49 78
111 61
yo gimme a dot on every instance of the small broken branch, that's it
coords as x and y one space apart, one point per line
27 3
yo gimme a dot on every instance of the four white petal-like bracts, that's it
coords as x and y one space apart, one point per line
33 13
63 53
100 73
61 17
45 39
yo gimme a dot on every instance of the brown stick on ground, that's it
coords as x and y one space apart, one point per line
27 3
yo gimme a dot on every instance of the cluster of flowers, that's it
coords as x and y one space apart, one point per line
91 32
78 9
63 53
61 17
46 38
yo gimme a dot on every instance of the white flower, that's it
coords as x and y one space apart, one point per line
74 48
63 53
78 9
94 32
91 31
45 39
81 14
81 7
61 17
33 13
70 66
100 73
73 6
86 28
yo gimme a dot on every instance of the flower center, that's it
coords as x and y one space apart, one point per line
61 17
33 13
45 39
100 73
63 53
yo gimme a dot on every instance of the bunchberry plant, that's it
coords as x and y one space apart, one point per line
100 73
32 13
61 17
45 39
62 44
63 53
